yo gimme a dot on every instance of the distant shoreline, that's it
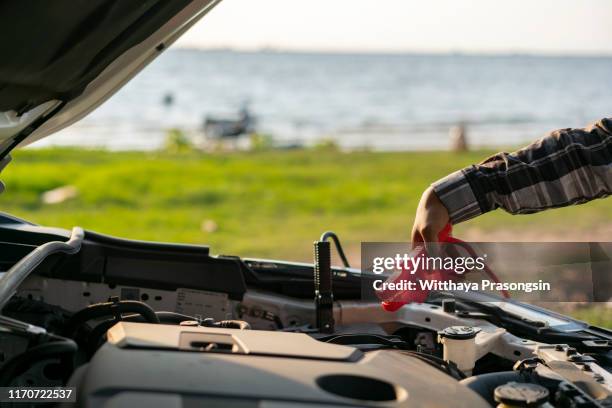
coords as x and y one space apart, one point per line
399 53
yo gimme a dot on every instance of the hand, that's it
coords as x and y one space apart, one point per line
431 218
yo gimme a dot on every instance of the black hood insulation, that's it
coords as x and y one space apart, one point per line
53 49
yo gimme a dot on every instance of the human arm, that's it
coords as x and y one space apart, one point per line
568 166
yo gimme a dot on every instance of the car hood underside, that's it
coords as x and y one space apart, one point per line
62 59
53 50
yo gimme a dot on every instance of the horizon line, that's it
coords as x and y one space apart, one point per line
496 53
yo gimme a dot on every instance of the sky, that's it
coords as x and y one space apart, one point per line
438 26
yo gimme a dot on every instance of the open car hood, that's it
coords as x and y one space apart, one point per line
62 59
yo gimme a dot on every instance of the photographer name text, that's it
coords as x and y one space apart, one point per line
452 286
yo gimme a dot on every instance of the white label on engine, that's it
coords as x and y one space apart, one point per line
202 304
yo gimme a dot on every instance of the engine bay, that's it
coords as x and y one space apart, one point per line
131 323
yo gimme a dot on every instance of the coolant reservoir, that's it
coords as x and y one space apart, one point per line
460 346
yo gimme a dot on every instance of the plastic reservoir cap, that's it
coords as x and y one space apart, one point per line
459 332
521 394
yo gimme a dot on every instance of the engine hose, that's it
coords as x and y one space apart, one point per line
177 318
96 335
438 363
109 309
233 324
164 318
329 234
486 268
63 349
11 280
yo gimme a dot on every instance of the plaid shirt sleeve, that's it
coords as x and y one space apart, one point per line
566 167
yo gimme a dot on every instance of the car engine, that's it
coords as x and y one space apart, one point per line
130 323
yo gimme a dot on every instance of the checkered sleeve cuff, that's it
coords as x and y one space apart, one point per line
458 197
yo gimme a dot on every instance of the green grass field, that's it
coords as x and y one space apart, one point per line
267 204
263 204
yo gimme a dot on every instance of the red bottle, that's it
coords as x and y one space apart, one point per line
393 300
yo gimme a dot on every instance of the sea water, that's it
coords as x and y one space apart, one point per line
375 101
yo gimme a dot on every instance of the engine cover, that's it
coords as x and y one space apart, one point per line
178 366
